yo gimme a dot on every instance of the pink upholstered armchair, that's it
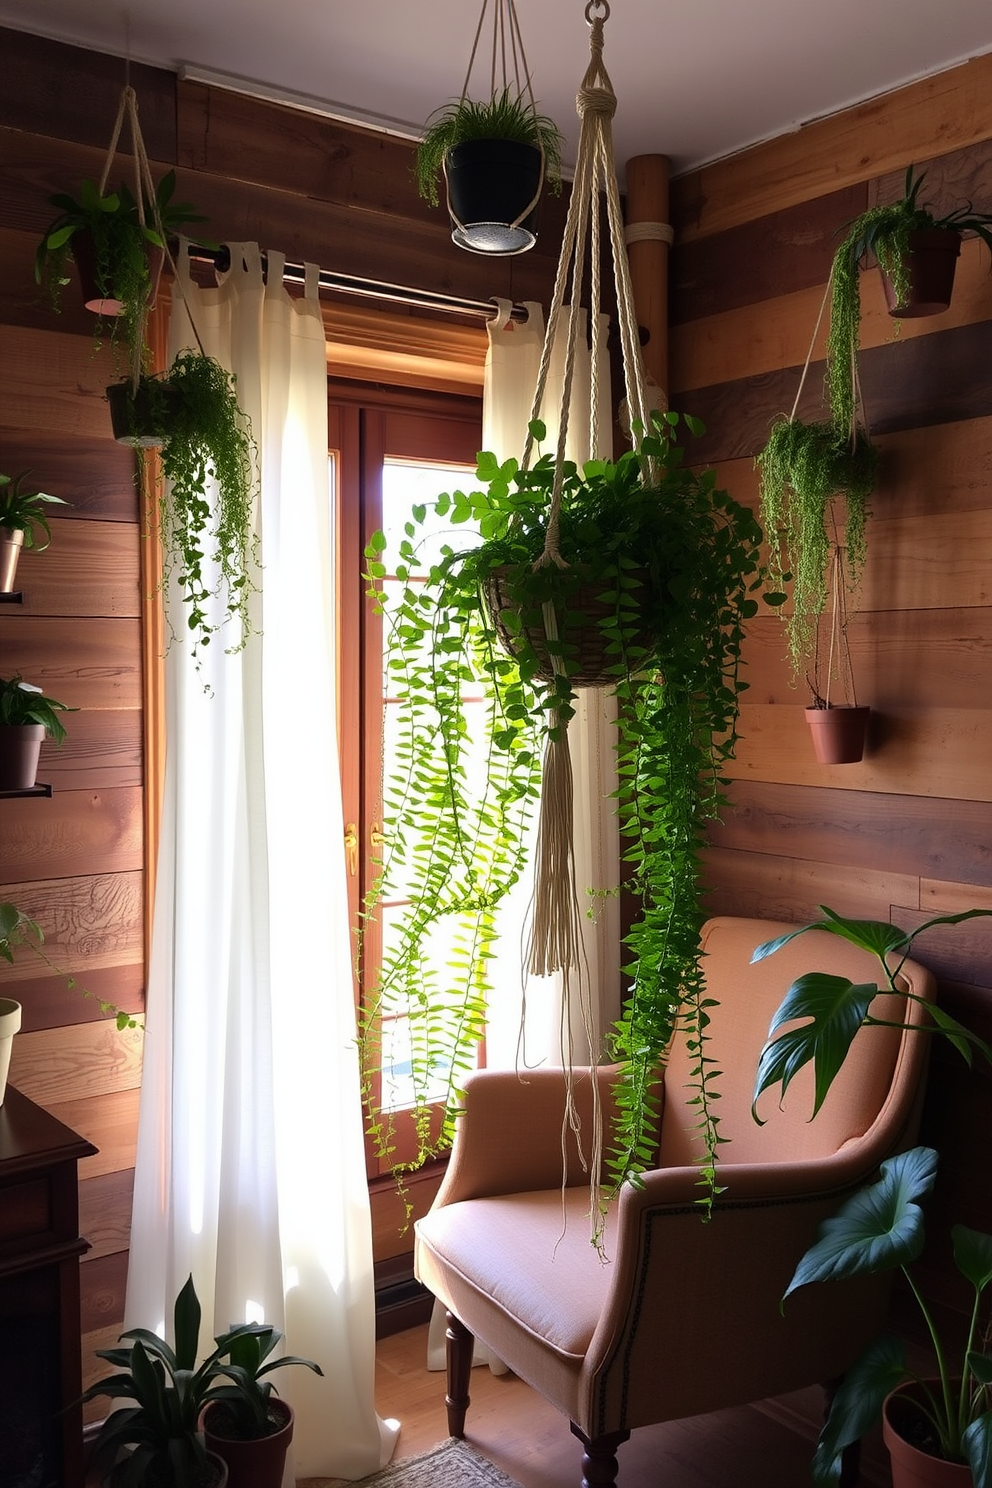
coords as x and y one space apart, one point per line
684 1316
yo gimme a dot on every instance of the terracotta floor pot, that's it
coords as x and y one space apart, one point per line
838 734
933 256
250 1464
911 1467
20 746
11 543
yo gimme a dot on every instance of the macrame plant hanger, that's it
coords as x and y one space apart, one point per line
508 64
554 936
146 201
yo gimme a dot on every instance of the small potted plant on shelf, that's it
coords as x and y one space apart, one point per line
916 252
654 580
245 1422
117 249
26 717
192 413
23 523
938 1431
834 1008
494 157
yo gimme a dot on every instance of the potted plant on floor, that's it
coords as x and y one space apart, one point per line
192 413
836 1008
916 252
938 1431
653 581
26 717
494 157
23 523
155 1442
245 1422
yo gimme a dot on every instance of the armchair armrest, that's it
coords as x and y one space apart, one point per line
509 1137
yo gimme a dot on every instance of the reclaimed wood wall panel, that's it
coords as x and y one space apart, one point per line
93 474
907 833
76 1063
98 666
943 113
76 832
102 751
52 1001
110 1122
105 1213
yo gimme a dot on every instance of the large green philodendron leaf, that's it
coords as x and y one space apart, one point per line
878 1228
857 1405
836 1008
875 936
976 1443
973 1255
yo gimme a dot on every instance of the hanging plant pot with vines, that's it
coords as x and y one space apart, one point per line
494 154
635 574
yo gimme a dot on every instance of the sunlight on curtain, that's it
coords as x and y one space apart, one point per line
250 1167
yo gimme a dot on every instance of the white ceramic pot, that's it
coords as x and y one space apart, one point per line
10 1022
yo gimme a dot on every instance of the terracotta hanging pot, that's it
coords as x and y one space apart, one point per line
10 1023
912 1467
933 255
494 190
20 747
11 543
94 298
257 1463
838 733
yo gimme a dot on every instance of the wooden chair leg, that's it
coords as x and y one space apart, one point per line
599 1459
850 1457
459 1348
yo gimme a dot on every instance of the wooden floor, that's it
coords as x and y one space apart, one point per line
764 1446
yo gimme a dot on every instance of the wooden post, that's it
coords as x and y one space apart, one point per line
647 249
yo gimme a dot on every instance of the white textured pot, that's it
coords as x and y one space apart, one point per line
10 1022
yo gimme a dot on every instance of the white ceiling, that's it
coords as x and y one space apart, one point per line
695 80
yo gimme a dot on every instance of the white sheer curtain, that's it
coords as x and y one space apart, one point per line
250 1172
510 379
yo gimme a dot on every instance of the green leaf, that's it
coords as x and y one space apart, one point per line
836 1008
857 1405
878 1228
973 1255
976 1443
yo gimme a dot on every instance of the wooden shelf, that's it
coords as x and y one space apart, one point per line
35 790
12 596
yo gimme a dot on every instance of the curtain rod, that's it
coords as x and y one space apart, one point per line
373 289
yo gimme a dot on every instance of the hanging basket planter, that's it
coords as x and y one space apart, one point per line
141 416
930 262
494 194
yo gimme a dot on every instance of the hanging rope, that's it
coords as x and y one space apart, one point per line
555 934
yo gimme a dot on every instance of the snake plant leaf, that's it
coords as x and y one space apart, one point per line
973 1255
880 1227
836 1008
976 1443
857 1405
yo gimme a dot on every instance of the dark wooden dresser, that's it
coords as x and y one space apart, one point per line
40 1246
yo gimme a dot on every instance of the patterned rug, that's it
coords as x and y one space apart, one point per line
452 1464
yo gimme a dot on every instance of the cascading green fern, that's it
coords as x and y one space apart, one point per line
673 561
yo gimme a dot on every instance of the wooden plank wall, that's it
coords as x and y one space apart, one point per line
319 191
908 832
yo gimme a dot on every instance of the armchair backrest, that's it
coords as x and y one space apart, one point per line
869 1082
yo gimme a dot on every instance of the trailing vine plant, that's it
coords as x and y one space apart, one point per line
802 469
666 564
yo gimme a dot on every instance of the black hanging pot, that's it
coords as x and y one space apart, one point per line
494 192
140 416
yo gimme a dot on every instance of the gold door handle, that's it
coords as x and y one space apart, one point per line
351 848
375 835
